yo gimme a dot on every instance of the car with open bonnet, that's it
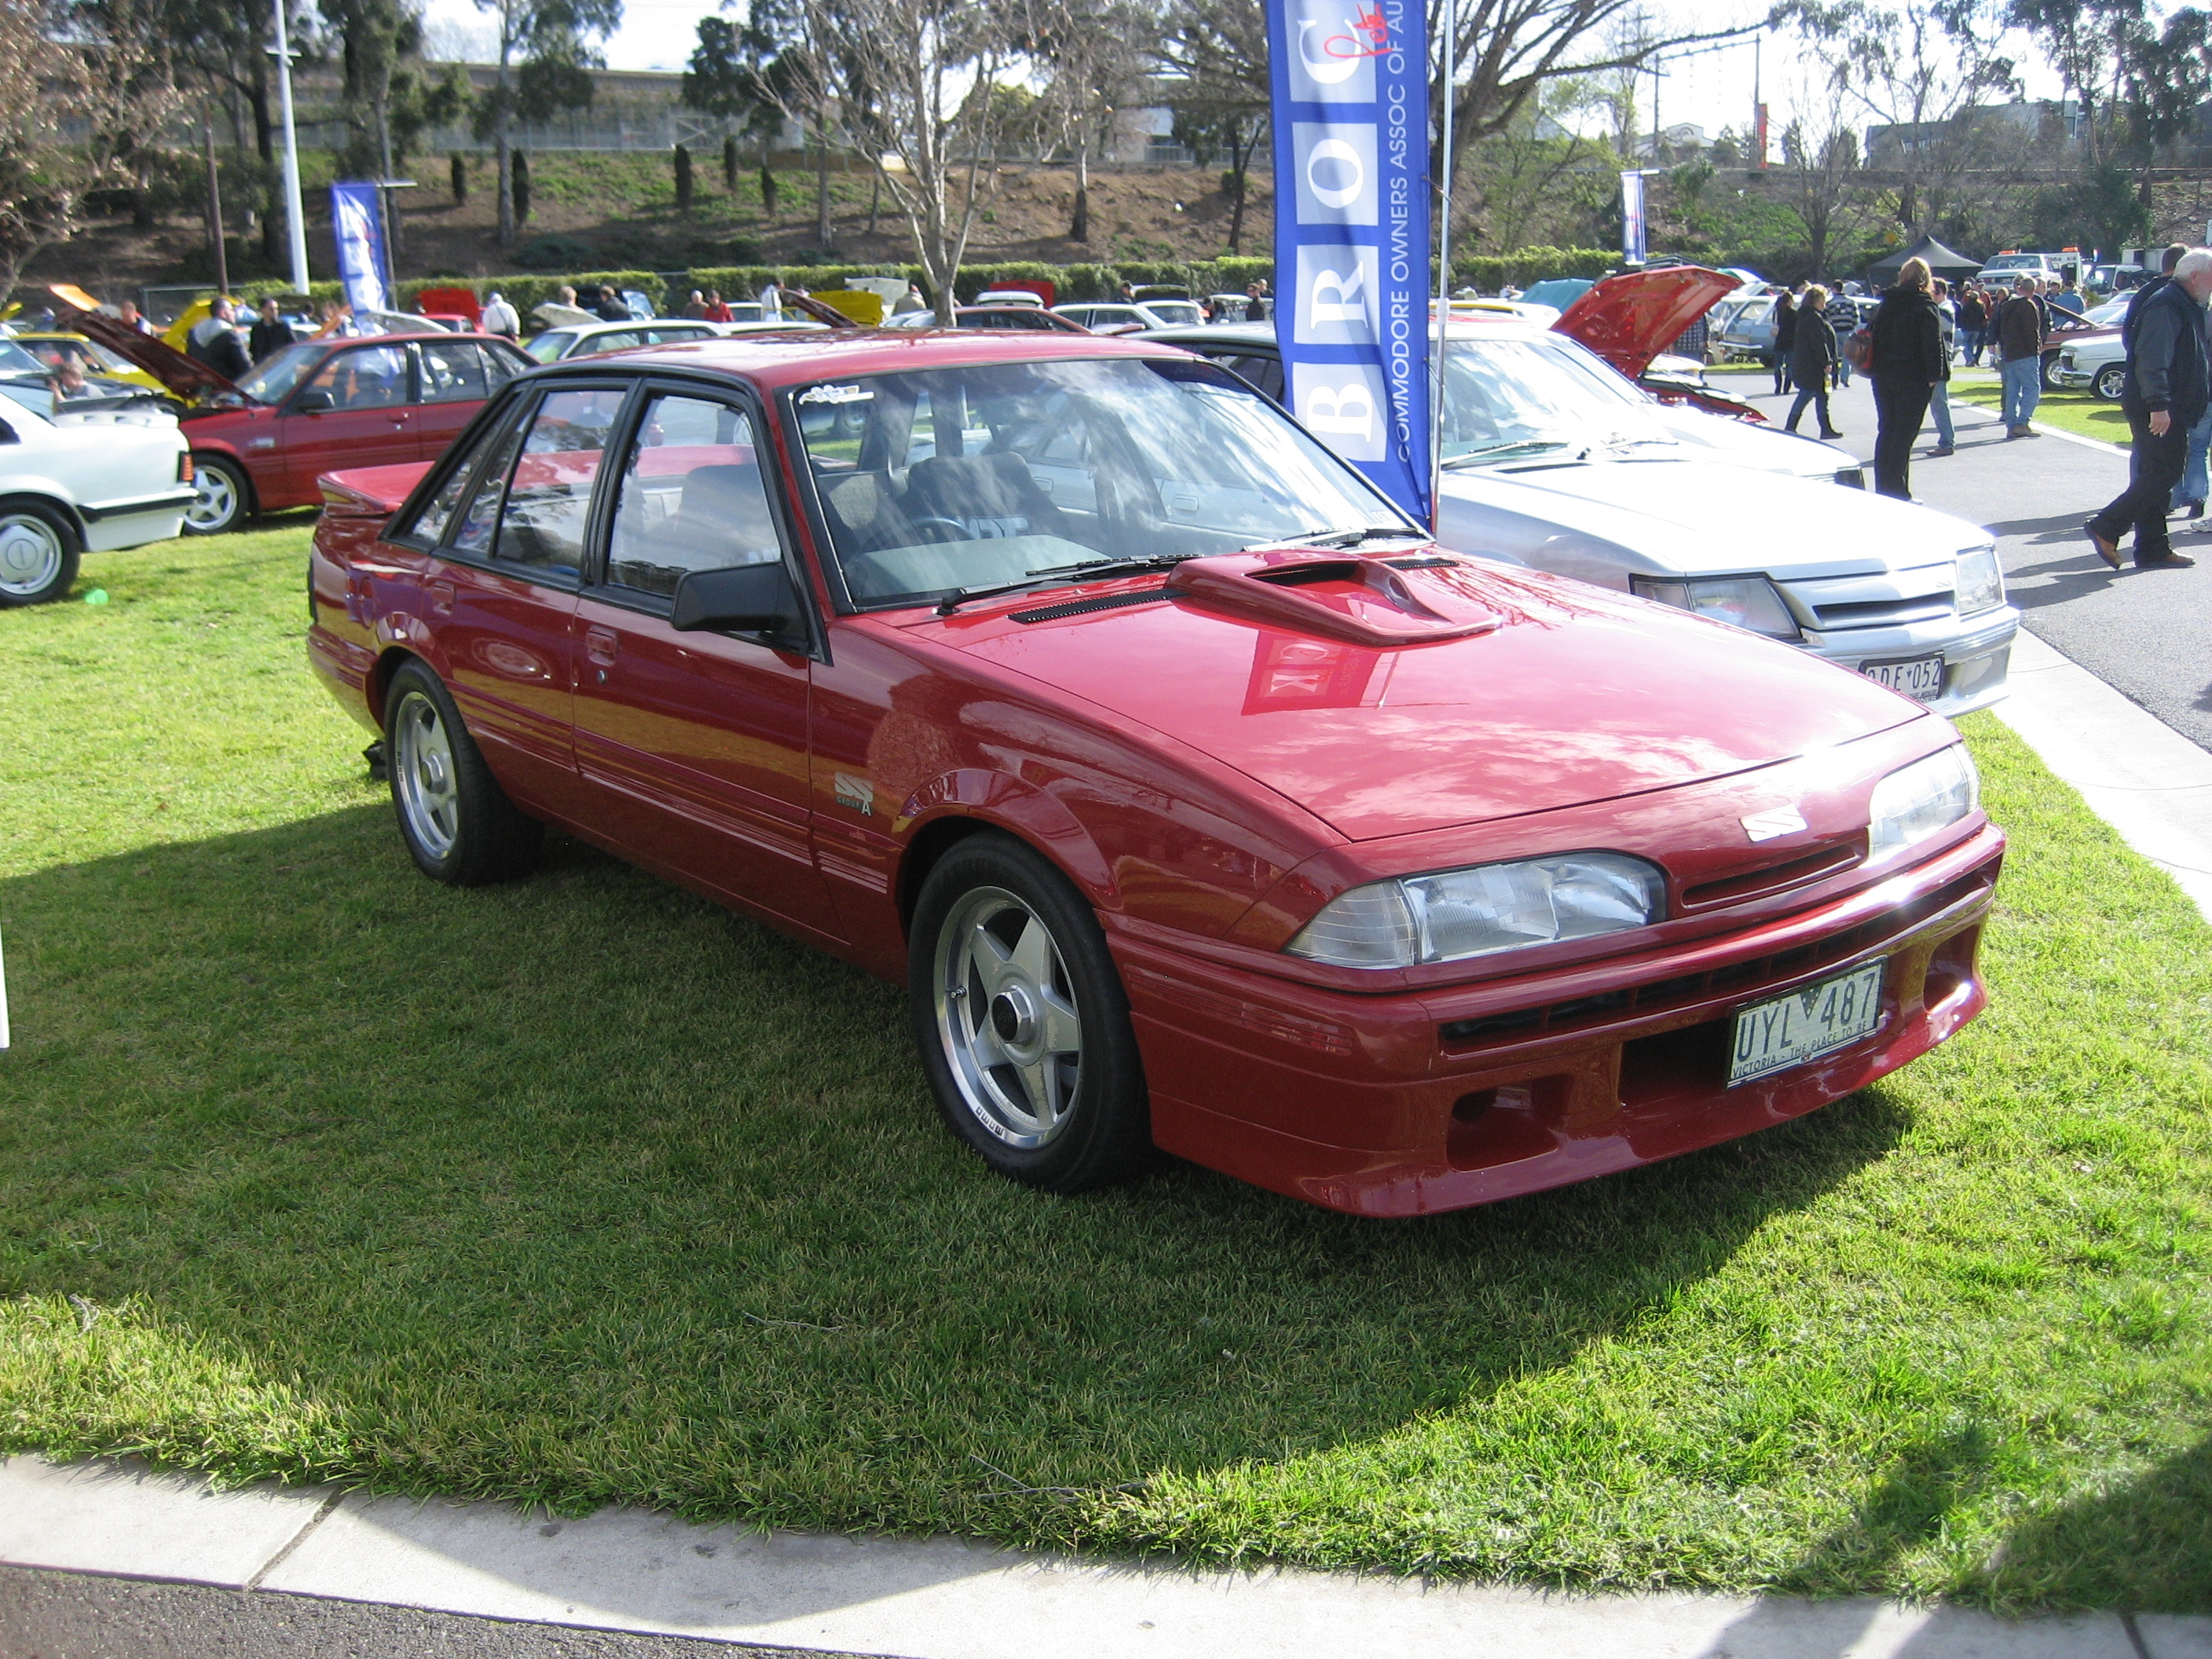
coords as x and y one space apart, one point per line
1202 803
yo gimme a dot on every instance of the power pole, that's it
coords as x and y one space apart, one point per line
214 210
294 214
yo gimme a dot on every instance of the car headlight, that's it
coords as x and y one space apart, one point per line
1915 801
1981 580
1750 602
1456 914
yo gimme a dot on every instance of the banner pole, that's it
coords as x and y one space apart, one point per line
1443 278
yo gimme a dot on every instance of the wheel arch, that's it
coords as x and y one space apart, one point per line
54 502
389 662
959 805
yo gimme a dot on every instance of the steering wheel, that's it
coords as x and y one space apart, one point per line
933 522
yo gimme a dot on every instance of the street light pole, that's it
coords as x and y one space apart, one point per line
1443 278
294 214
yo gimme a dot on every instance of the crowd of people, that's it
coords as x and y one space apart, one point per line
1922 327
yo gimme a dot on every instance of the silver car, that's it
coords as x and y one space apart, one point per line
1909 597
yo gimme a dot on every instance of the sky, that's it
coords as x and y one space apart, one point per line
1712 88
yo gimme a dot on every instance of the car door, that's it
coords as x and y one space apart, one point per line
503 597
696 742
355 411
455 378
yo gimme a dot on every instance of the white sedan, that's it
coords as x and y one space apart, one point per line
92 475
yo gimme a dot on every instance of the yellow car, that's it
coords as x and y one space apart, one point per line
50 345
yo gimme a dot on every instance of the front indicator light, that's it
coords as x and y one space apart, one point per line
1915 801
1456 914
1980 584
1747 602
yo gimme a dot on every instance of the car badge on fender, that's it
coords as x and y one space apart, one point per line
856 792
1775 821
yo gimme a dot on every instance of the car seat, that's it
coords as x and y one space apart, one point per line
989 495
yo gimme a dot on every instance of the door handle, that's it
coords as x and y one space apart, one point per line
600 645
441 598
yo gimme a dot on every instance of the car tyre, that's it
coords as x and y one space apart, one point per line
221 497
2111 382
1023 1022
38 554
456 820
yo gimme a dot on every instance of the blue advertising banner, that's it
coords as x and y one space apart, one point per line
359 227
1350 113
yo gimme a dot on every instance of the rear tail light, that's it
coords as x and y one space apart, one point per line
184 466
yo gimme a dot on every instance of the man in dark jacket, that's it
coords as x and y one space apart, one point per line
1785 335
272 333
2020 335
1907 362
2168 386
2167 261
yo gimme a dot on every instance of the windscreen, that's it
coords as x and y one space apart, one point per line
1507 399
14 360
960 478
273 379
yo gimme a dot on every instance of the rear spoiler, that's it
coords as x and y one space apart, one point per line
189 378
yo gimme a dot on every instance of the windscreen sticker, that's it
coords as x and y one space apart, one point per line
836 394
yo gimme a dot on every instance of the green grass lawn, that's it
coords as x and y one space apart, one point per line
581 1191
2077 412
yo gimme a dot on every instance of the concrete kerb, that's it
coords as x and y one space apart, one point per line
633 1570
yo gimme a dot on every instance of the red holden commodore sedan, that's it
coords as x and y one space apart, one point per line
1201 801
261 444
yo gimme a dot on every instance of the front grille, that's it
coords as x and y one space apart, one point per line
1884 613
1774 877
1662 995
1076 607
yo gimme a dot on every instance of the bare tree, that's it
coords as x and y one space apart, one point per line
1922 69
1214 54
1819 171
1093 59
915 84
84 90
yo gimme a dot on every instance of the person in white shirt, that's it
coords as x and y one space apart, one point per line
500 317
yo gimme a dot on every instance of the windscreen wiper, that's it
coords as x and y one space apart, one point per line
1512 446
1373 532
1082 570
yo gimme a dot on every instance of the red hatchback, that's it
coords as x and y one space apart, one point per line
334 403
1201 802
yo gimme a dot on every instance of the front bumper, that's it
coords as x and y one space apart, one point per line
1372 1105
1976 658
2075 380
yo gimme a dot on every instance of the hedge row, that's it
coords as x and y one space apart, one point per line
1492 272
1489 272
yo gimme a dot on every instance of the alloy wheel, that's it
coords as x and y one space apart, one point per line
1006 1015
214 500
422 770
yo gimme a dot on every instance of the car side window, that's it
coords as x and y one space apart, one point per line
620 339
453 374
549 497
1265 374
692 498
368 376
438 514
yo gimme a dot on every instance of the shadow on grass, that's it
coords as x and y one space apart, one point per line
583 1190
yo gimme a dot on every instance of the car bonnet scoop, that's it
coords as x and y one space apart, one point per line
1420 600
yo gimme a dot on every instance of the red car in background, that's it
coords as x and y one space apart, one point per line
336 403
258 445
1201 801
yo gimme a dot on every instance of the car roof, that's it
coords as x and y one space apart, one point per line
1493 326
791 359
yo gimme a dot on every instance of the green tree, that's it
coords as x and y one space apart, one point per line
1214 55
547 49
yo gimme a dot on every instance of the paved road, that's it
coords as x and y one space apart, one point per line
2147 633
64 1615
